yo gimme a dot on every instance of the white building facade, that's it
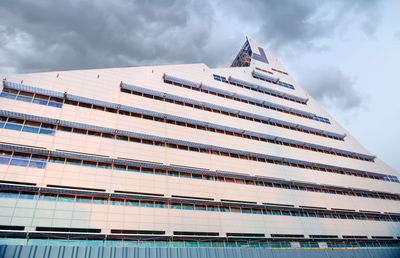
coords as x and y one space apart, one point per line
186 156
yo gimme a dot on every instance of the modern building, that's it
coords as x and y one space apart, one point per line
186 156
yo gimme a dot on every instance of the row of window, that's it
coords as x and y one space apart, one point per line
73 241
220 78
22 159
27 126
246 100
279 71
209 150
32 97
190 206
49 129
270 80
39 161
12 94
149 170
266 91
218 111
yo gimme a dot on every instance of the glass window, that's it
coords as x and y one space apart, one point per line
246 210
55 104
119 167
48 197
88 163
26 195
30 129
38 241
175 206
122 138
7 95
224 209
39 101
64 128
19 162
131 243
144 243
159 171
74 162
83 199
201 207
133 169
147 204
162 243
113 243
13 126
80 131
92 242
94 133
66 198
4 159
107 135
132 203
57 160
6 194
186 206
160 205
176 243
99 200
218 244
230 244
212 208
191 244
234 209
117 201
147 170
104 165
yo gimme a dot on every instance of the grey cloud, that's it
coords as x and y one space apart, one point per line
333 88
396 35
71 34
298 23
79 34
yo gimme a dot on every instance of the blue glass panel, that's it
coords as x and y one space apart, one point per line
147 204
24 98
47 131
30 129
55 104
19 162
8 95
4 160
13 126
48 197
66 198
40 101
37 164
29 196
8 195
97 200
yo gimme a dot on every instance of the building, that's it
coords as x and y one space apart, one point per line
186 156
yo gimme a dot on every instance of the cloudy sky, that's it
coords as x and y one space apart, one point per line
345 53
